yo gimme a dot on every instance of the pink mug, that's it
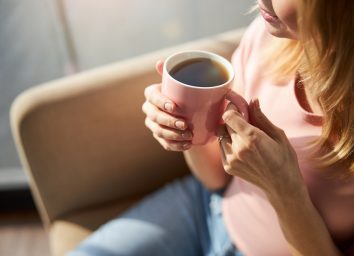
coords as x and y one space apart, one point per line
201 107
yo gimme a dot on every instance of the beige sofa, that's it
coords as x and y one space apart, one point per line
84 146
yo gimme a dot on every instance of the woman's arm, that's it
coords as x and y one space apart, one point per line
205 163
302 226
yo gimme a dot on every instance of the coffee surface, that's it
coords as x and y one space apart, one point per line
200 72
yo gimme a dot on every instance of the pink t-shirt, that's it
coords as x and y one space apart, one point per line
250 219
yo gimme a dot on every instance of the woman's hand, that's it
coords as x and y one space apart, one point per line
260 153
161 118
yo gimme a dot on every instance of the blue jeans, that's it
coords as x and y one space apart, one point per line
181 219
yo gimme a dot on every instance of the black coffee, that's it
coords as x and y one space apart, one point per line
200 72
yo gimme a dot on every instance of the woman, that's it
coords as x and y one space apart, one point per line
280 184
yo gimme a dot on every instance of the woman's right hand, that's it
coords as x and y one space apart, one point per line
167 128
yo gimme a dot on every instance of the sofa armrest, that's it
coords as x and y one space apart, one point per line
82 139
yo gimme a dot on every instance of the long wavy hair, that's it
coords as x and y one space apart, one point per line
324 58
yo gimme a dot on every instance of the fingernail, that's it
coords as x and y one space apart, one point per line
168 106
180 125
256 104
233 107
187 135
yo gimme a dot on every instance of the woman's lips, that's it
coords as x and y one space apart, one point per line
268 17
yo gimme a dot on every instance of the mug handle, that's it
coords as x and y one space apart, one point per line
239 102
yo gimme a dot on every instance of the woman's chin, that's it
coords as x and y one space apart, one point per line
279 30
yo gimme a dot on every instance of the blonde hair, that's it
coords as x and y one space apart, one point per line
324 58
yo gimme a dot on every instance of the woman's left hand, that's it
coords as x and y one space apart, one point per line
260 153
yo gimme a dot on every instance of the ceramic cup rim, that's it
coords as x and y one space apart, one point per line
189 54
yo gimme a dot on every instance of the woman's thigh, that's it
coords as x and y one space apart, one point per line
171 221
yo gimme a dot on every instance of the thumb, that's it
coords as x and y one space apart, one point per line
239 102
159 67
261 121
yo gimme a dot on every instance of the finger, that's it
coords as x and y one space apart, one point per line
224 143
173 145
232 133
167 133
233 165
236 122
239 102
154 96
263 123
232 141
163 118
159 67
223 134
